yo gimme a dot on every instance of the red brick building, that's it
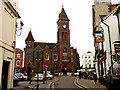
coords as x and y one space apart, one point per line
57 56
19 66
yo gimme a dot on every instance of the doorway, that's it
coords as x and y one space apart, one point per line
65 70
5 74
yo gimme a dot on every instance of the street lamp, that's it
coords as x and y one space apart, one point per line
99 39
19 28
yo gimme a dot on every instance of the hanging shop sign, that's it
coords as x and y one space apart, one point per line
117 48
103 57
99 37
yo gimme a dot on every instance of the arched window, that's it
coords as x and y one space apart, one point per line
18 63
38 55
46 56
55 56
66 37
64 50
62 36
64 54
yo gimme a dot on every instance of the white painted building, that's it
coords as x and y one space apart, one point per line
8 19
88 60
111 33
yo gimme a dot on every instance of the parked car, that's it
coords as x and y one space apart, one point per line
77 73
21 76
15 80
40 77
49 76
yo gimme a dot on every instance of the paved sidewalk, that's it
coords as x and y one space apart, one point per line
24 85
89 84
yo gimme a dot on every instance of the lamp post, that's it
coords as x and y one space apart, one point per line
98 40
19 28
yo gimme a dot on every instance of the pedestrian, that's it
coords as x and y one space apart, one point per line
108 79
95 77
29 70
79 74
43 78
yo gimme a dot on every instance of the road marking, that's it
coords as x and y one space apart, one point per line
78 85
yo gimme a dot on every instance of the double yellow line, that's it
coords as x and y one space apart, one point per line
75 82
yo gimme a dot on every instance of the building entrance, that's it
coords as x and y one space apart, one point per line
4 74
65 70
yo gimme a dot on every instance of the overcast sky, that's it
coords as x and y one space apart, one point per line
41 16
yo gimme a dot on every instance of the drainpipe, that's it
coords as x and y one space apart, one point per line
109 44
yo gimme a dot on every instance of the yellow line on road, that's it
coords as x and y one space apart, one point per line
78 85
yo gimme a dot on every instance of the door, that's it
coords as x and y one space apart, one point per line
64 70
4 74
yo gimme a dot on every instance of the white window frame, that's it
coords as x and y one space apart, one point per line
18 55
17 63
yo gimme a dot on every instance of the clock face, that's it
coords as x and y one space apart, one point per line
64 26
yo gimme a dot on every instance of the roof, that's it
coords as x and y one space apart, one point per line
43 44
30 37
112 13
63 15
18 50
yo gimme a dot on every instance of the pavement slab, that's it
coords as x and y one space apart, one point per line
89 84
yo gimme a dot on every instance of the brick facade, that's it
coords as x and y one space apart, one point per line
57 56
18 61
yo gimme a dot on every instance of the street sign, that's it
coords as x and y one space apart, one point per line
117 48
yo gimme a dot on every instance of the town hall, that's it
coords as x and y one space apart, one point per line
59 58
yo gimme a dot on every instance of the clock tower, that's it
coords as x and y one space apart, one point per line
63 41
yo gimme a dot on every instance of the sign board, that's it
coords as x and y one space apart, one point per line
117 48
99 37
103 57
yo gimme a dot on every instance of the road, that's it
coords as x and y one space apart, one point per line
65 82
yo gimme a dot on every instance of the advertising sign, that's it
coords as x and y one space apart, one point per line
117 48
99 37
103 57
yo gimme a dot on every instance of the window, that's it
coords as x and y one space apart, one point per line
64 50
85 57
86 66
89 60
66 37
89 66
55 56
18 55
38 55
64 57
89 56
18 62
62 36
65 54
55 68
46 56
